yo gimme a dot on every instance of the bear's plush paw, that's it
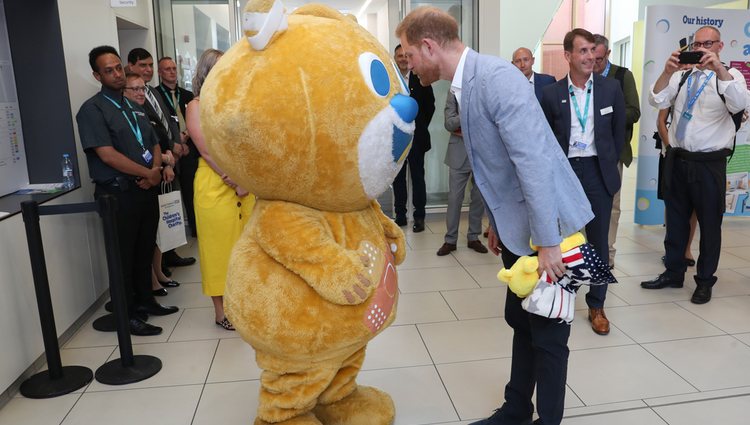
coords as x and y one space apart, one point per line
306 419
364 406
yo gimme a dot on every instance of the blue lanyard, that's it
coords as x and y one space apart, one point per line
134 128
168 96
606 70
691 101
585 117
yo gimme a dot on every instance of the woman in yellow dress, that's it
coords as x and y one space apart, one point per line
221 207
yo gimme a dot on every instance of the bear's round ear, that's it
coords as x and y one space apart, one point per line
262 20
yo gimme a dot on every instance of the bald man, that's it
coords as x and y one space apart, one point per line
524 60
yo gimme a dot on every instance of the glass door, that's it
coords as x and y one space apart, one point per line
436 172
186 28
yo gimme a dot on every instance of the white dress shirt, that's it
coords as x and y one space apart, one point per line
576 134
711 128
458 78
531 79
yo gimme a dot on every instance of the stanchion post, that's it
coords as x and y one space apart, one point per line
54 381
128 368
108 211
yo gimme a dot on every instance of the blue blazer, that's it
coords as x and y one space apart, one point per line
540 82
527 183
609 128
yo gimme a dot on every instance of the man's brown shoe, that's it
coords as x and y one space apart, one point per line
477 246
446 249
599 321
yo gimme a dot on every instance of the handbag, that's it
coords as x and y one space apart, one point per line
171 231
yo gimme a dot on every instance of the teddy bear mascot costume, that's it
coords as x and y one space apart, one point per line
309 113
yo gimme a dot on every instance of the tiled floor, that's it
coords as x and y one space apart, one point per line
446 358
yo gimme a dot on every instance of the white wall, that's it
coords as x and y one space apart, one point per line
623 14
73 244
522 23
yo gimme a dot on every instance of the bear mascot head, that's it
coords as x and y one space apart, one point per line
311 115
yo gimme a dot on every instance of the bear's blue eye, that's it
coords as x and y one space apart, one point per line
375 74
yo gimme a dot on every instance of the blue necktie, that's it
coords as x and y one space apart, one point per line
682 123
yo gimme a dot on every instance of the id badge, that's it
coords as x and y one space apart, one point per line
580 145
687 115
147 157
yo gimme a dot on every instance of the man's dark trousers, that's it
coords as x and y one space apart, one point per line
540 357
137 222
415 162
699 185
597 230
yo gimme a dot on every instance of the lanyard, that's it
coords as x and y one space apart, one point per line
168 96
692 100
585 117
606 70
134 128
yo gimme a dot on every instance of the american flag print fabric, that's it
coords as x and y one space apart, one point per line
556 300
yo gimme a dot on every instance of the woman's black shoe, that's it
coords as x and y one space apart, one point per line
161 292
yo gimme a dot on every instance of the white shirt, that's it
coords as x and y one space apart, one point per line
711 127
531 79
458 77
576 134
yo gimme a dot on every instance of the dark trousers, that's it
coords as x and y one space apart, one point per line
188 167
415 163
597 230
137 223
699 185
540 357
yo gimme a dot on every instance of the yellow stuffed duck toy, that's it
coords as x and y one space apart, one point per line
556 300
310 114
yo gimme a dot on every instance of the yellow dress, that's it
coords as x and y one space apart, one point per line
220 216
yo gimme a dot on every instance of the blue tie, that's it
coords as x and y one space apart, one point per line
682 123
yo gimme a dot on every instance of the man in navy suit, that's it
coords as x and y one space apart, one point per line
524 60
587 114
420 145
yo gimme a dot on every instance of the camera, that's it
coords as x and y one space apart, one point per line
690 57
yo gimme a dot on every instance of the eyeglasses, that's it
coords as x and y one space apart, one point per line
599 60
137 89
707 44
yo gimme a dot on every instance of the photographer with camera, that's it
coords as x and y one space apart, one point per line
701 138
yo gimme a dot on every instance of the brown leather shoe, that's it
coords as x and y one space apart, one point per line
477 246
446 249
599 321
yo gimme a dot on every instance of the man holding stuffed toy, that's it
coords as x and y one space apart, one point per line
530 191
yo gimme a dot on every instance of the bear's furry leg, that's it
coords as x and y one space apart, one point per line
364 406
306 419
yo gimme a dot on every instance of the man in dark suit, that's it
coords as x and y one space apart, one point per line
141 62
420 145
625 78
175 99
587 114
524 60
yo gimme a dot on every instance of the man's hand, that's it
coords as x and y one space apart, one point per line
670 67
154 177
493 242
167 173
711 61
550 261
178 150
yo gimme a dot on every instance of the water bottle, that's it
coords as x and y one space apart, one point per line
67 172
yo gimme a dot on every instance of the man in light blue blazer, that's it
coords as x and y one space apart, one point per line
528 185
524 61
